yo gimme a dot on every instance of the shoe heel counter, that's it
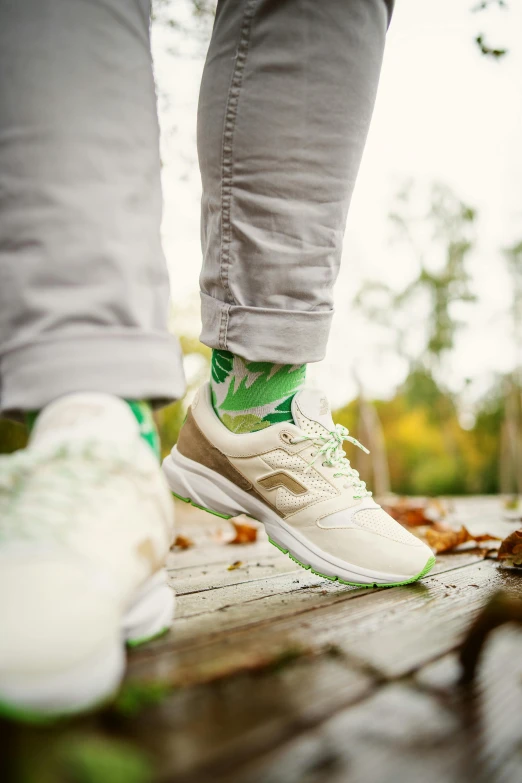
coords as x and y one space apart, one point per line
193 444
190 441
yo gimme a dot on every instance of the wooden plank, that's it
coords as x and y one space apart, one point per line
208 553
424 729
398 734
392 631
216 575
492 707
190 732
200 730
285 595
196 604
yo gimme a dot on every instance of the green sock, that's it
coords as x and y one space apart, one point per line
143 413
148 430
249 396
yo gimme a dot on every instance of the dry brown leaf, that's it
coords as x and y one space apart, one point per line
182 542
441 527
511 549
233 566
408 514
416 513
245 533
447 540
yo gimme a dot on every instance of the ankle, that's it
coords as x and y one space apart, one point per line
250 396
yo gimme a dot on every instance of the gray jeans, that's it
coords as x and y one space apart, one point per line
286 99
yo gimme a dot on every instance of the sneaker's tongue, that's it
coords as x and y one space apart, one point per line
89 416
309 408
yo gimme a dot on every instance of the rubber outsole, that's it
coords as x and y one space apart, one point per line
429 565
133 643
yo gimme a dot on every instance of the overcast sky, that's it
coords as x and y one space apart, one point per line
443 113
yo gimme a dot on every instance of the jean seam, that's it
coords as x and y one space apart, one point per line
227 160
223 326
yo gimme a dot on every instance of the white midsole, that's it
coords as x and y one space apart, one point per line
97 678
210 489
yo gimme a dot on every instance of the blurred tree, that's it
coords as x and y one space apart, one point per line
13 436
511 433
441 239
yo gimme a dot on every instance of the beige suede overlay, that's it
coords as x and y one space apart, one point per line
194 445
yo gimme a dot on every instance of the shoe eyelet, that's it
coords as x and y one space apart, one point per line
286 437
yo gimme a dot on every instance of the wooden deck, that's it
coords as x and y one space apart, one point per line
273 675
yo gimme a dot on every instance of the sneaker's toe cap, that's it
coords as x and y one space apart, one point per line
385 549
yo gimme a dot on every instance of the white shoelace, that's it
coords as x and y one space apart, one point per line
330 447
41 488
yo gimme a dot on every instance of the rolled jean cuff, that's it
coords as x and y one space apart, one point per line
261 334
124 362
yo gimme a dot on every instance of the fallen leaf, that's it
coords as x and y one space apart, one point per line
447 540
511 549
245 533
415 513
182 542
233 566
441 527
218 535
409 515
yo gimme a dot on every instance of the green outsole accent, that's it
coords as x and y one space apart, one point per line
21 715
203 508
179 497
429 565
145 639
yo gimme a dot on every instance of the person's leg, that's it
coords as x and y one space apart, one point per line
286 100
85 515
83 282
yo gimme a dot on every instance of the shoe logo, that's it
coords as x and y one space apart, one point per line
324 407
282 479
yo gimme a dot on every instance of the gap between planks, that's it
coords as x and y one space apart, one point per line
393 633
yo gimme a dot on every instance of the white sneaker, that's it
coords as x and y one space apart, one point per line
296 480
86 521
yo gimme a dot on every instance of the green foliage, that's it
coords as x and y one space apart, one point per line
168 422
428 451
13 436
440 238
100 760
134 697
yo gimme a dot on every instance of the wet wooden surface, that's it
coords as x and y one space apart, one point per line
273 675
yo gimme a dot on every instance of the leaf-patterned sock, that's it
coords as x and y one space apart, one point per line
249 396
